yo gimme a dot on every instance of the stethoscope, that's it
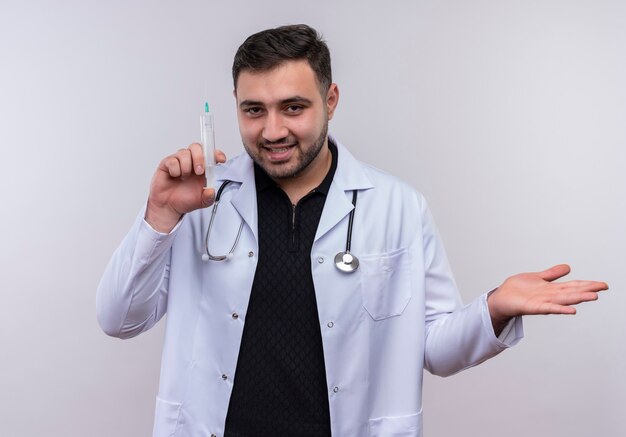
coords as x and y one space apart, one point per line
345 261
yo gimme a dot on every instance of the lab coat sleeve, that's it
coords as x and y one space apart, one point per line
132 295
457 336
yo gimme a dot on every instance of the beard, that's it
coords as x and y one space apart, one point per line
303 159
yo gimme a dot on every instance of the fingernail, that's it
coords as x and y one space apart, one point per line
198 169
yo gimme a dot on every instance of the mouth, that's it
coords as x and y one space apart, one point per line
279 153
278 149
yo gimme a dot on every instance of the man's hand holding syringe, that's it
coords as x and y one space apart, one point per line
184 181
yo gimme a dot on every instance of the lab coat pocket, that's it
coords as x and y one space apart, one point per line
397 426
386 283
166 418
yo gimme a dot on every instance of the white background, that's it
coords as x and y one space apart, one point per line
509 116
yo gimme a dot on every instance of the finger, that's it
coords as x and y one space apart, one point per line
583 286
587 297
220 156
172 166
208 197
554 308
554 273
184 158
575 298
197 158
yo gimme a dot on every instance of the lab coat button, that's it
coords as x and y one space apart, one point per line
235 316
330 324
224 377
336 389
250 254
320 260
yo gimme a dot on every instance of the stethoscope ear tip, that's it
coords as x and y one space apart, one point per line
205 257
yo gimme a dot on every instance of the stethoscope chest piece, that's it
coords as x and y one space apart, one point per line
346 262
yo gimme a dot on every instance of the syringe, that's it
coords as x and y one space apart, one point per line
207 135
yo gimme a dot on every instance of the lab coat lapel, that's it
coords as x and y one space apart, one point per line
349 176
337 206
241 170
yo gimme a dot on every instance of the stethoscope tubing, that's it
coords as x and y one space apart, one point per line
345 261
208 255
350 221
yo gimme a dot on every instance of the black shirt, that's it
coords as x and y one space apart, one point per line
280 387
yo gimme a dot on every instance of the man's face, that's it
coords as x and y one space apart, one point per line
283 119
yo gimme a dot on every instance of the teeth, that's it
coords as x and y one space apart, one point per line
279 150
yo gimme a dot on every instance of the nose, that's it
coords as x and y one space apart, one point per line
274 128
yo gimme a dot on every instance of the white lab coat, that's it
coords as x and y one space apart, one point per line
381 325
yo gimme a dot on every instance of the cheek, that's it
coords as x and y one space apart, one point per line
248 130
307 128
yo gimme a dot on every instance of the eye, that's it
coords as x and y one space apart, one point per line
294 109
253 111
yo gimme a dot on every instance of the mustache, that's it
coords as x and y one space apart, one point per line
280 142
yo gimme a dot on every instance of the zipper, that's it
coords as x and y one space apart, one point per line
293 225
293 219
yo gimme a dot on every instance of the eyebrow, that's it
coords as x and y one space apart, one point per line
289 101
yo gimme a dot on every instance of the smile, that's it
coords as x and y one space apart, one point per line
279 154
278 149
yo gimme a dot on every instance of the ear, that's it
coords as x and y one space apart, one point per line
332 98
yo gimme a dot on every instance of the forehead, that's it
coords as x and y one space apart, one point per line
288 79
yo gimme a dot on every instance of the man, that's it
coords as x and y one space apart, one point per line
276 340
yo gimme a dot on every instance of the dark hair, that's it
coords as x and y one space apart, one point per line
269 48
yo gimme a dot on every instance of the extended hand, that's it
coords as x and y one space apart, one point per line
178 187
535 293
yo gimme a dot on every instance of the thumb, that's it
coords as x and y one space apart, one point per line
555 272
208 197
